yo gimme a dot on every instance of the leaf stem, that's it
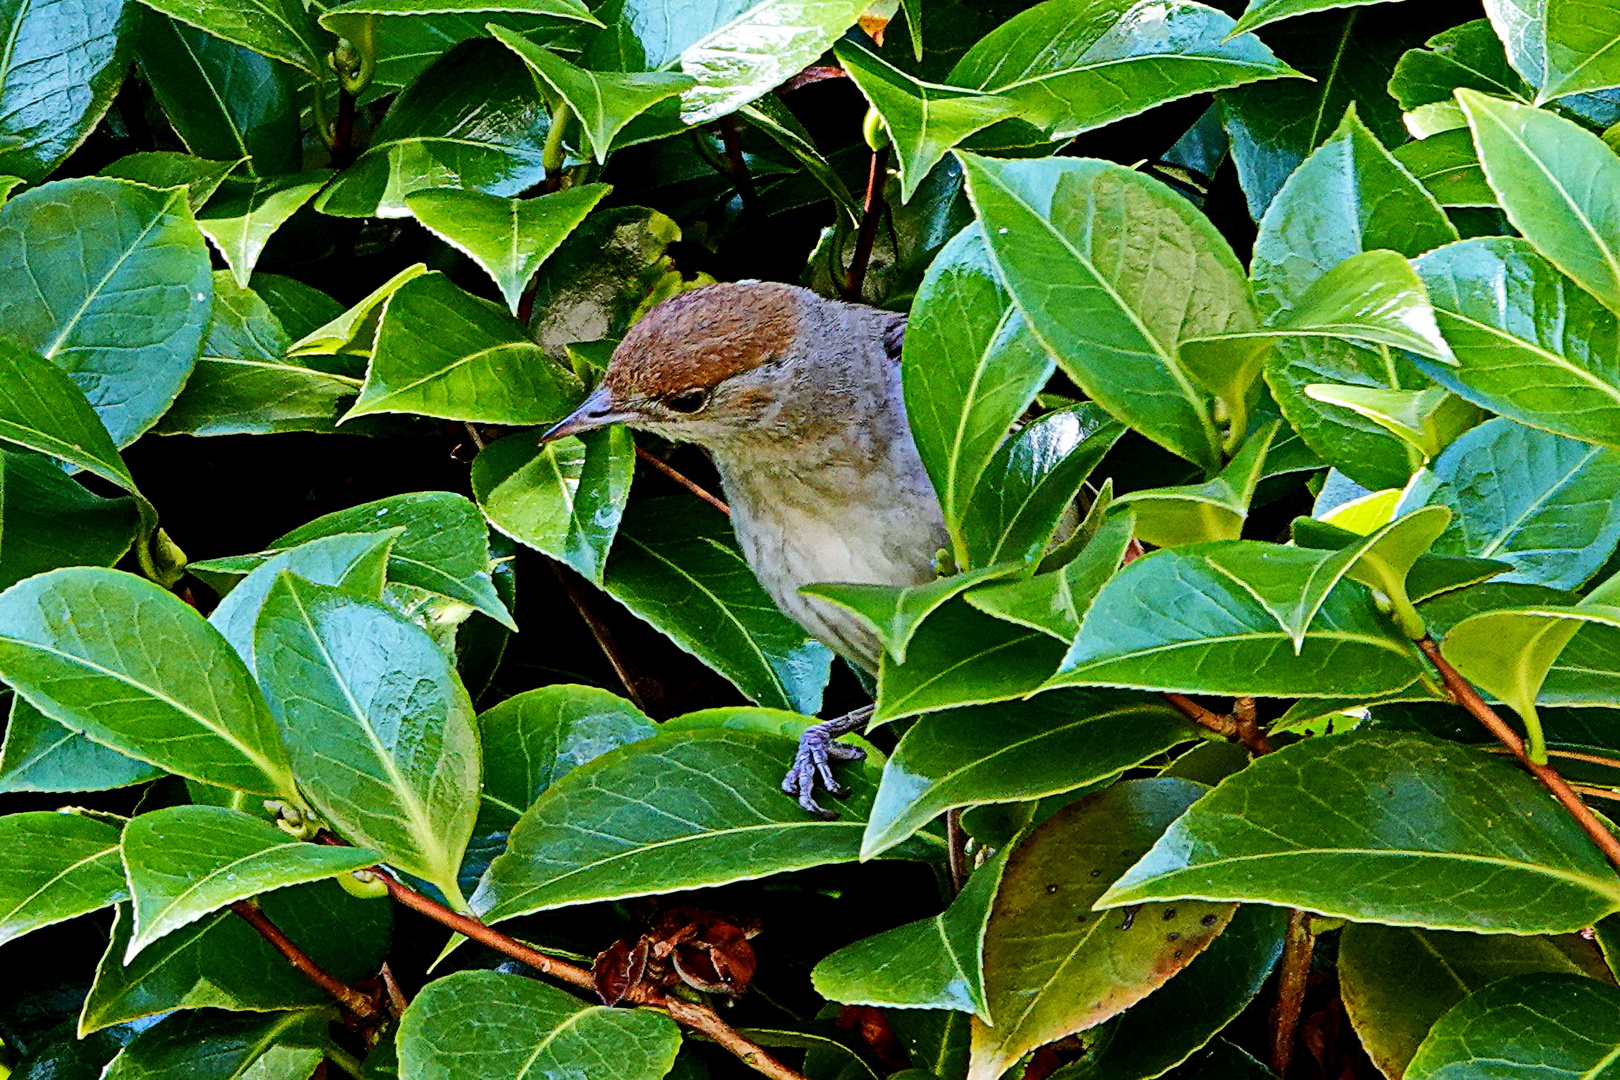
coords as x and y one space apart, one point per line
680 478
551 154
956 849
1466 696
1298 945
345 995
866 235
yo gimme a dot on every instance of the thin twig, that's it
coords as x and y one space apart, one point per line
604 637
1241 726
866 236
1596 792
1465 695
734 159
956 849
1291 979
344 994
681 479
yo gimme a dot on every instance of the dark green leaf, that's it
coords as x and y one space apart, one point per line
961 657
1055 602
676 564
57 865
1530 1027
280 29
543 1032
1469 55
42 755
893 612
245 213
354 332
209 1045
298 307
200 177
122 296
1561 48
1447 165
1402 846
62 65
42 409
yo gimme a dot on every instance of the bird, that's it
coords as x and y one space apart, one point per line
797 399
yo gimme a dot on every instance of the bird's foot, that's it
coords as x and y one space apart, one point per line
817 752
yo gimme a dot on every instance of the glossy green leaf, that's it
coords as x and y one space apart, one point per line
684 810
532 740
1204 619
1072 65
379 727
970 368
123 295
1397 981
1214 510
200 177
1429 420
43 409
221 962
355 331
934 963
962 657
49 520
279 29
1558 184
135 667
58 865
443 352
509 238
924 120
676 564
1055 742
225 101
1542 1026
1529 344
226 1046
1374 297
1261 12
1468 55
1055 602
1052 965
41 755
184 862
63 64
245 213
474 120
893 612
1113 270
1403 844
543 1032
1561 47
1449 167
1348 197
1546 504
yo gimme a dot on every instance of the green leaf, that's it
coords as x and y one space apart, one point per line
1561 47
1449 167
1210 618
894 612
1540 1026
354 332
1529 344
1533 871
222 962
1261 12
58 865
184 862
564 498
1430 420
43 409
1546 504
543 1032
1053 966
676 564
961 657
137 668
509 238
245 213
532 740
1052 743
1031 483
474 120
970 368
242 385
1468 55
1558 184
1214 510
200 177
1069 66
684 810
62 67
41 755
1055 602
379 727
443 352
1383 561
226 1046
48 519
1182 1016
924 120
1348 197
280 29
934 963
225 102
123 294
1375 298
1113 270
604 102
1397 981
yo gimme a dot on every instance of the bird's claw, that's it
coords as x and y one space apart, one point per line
813 763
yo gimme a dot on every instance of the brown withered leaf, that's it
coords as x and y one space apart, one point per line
619 968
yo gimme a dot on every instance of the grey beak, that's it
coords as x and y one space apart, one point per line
594 412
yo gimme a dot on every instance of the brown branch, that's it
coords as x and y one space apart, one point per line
1291 980
680 478
345 995
1596 792
1465 695
1240 726
866 236
734 160
956 849
603 636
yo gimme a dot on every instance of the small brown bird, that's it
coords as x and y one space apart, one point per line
798 400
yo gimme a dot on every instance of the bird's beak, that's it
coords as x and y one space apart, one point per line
596 411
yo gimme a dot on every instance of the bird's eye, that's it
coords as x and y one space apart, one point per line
690 400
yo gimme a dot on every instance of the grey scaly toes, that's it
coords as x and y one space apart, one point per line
817 751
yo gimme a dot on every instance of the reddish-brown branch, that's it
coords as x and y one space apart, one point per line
682 479
1292 976
1465 695
344 994
735 161
1241 726
866 235
603 636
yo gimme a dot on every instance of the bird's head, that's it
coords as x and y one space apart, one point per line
720 363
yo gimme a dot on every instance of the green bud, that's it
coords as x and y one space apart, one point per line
363 884
874 131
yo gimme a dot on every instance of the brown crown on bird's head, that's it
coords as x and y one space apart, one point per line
703 337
